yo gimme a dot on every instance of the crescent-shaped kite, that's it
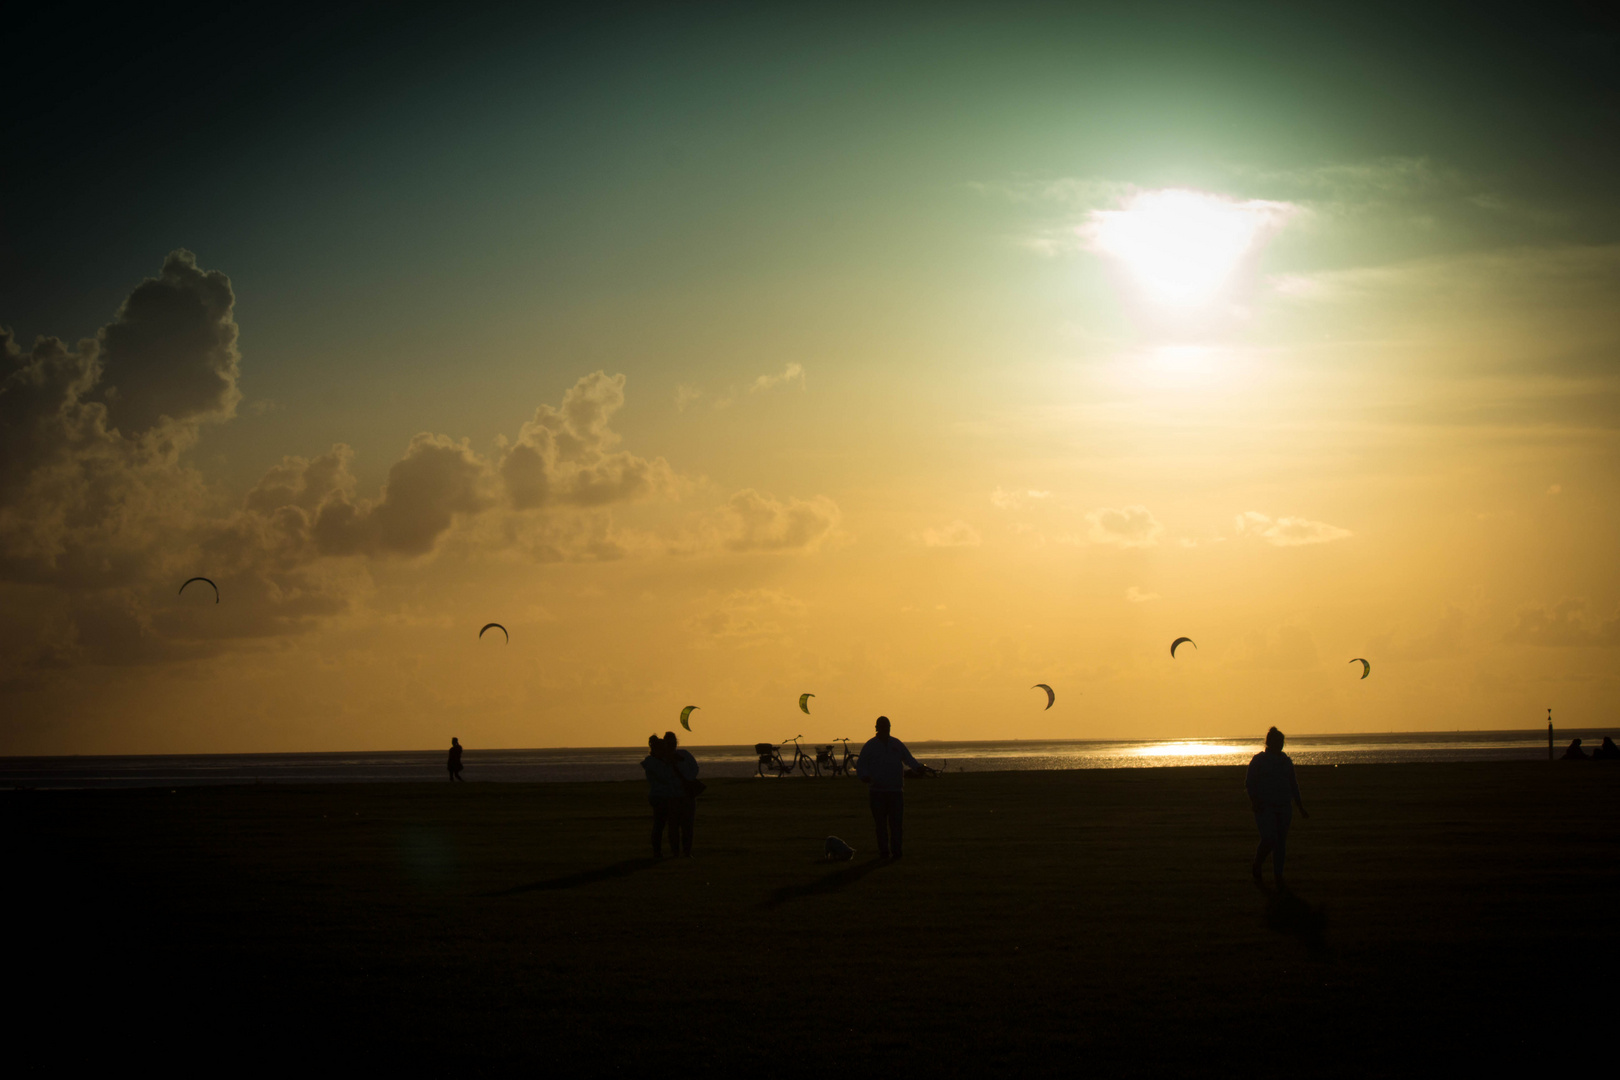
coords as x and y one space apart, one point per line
1050 696
1178 641
1366 668
210 585
804 702
496 626
685 715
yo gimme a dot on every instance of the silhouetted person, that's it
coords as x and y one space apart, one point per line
1575 753
686 808
454 763
664 790
1272 787
1607 751
882 767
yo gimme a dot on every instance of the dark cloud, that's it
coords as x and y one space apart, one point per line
761 523
565 456
1566 624
101 517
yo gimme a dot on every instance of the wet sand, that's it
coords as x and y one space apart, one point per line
1040 922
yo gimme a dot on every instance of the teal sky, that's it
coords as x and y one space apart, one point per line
438 224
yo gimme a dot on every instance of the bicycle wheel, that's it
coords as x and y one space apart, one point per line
807 765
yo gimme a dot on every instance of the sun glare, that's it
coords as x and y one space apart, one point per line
1182 246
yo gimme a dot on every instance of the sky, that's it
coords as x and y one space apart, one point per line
907 357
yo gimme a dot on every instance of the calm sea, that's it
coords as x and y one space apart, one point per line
621 763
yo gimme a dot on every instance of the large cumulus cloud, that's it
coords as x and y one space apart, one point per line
101 514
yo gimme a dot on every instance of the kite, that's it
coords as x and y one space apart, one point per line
1050 697
210 584
497 626
1366 668
804 702
1178 641
685 713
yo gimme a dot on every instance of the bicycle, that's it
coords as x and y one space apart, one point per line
771 757
801 760
835 765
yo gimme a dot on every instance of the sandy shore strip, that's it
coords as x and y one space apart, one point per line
1041 921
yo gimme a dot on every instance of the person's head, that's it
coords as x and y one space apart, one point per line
670 741
883 726
1274 740
655 744
454 741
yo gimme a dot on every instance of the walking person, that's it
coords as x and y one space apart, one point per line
664 790
685 810
454 763
882 768
1271 786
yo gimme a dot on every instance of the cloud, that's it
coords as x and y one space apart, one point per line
102 514
956 534
1137 596
1288 531
760 523
1126 527
565 455
1284 648
1565 625
1011 500
747 617
790 373
685 395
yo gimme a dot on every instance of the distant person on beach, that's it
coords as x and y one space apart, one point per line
1607 751
685 810
455 760
1575 753
664 790
882 767
1272 787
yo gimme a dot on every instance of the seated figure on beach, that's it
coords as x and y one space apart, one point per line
1271 788
1575 753
1607 751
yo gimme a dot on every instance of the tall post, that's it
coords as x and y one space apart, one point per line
1549 733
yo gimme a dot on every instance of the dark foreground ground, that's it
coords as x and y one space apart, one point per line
1040 923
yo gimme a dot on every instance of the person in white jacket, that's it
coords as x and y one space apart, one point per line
882 768
683 812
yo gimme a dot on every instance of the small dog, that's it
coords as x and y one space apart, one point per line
838 851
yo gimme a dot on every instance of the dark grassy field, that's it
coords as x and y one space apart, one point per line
1041 922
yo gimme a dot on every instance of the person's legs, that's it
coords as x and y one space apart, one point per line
1284 817
660 808
880 818
1266 821
688 818
897 813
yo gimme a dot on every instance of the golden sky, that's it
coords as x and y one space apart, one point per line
909 367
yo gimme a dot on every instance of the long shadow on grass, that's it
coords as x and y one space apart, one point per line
584 877
1289 913
827 883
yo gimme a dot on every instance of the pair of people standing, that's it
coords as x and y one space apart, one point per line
669 769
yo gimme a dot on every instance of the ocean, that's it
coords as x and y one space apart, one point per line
621 762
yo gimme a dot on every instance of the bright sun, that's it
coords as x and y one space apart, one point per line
1181 246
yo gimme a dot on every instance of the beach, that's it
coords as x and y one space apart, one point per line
1041 922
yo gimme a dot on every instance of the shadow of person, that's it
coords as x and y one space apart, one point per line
1289 913
826 883
620 869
